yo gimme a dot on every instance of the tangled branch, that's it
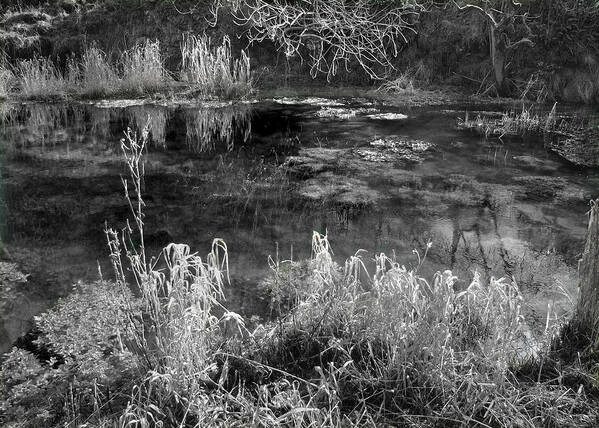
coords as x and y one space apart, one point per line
332 32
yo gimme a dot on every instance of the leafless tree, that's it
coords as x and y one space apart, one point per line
508 30
587 311
330 32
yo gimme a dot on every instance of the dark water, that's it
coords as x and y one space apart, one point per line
263 176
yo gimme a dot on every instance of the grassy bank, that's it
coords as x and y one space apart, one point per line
451 49
392 349
344 347
139 71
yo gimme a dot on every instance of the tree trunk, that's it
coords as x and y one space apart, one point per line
587 310
498 60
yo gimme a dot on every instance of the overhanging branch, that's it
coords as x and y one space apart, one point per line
333 32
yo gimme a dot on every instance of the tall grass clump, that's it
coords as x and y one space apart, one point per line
94 75
213 70
143 69
40 78
180 302
391 347
512 123
6 77
140 71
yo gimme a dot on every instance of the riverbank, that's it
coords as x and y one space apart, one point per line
343 347
450 50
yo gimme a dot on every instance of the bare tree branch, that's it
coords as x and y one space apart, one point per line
332 32
524 41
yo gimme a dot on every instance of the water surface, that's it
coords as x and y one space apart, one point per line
264 175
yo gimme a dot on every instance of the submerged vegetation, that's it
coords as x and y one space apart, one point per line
347 346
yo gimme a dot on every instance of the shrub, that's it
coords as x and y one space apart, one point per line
87 333
585 86
403 84
406 81
23 382
213 71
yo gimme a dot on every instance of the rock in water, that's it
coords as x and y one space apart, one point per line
395 149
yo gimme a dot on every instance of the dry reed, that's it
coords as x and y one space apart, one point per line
214 71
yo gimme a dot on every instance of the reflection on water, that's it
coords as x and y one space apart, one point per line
154 118
262 177
207 128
